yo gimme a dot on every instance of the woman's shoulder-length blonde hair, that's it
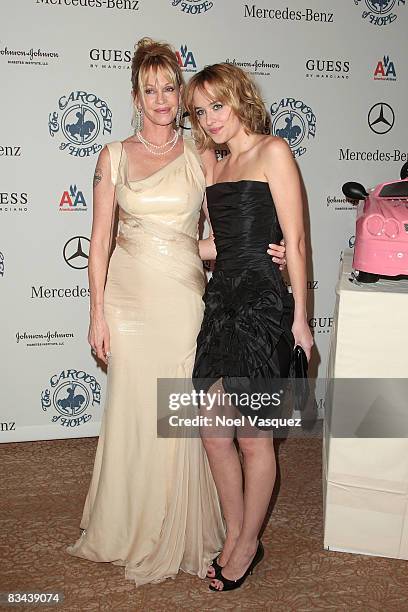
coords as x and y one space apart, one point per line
230 85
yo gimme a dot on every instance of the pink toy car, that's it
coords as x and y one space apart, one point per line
381 243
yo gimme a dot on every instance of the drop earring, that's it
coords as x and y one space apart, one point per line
137 120
179 116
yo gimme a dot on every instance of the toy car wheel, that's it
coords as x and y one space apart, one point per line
366 277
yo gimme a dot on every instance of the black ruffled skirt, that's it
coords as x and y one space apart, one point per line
245 338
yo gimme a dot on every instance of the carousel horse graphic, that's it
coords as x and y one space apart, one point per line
71 403
379 4
81 128
290 132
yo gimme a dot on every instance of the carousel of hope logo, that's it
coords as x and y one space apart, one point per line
380 12
294 121
80 119
71 393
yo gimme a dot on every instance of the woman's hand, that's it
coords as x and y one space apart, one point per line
206 249
99 337
303 336
277 252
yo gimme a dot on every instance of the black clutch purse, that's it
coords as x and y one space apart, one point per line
300 362
299 374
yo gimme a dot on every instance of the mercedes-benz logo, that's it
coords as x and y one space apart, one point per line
381 118
76 251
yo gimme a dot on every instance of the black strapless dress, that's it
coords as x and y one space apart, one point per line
245 337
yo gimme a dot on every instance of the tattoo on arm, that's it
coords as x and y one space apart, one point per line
97 177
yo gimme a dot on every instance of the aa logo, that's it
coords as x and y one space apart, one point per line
72 200
186 59
385 70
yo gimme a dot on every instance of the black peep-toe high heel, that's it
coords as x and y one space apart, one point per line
230 585
217 569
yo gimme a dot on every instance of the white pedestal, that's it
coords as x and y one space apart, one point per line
365 480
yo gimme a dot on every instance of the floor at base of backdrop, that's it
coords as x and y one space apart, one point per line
43 486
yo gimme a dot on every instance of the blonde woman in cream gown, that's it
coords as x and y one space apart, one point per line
152 505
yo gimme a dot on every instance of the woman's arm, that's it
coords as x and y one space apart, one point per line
206 246
284 182
103 212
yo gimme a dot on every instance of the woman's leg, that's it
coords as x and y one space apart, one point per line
226 470
259 473
227 473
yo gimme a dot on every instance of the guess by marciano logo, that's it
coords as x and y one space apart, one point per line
80 119
380 12
193 7
71 394
321 325
114 59
294 121
327 69
13 201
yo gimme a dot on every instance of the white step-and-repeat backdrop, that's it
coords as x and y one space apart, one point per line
333 76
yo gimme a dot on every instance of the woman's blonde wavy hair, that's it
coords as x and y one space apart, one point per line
230 85
149 54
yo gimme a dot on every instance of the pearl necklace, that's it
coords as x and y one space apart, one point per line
142 139
151 147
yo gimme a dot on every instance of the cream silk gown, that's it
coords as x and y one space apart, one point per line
152 505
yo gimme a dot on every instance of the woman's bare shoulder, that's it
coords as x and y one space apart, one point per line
128 139
104 156
208 160
275 146
208 156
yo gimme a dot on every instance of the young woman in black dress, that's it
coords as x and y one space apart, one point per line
251 323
